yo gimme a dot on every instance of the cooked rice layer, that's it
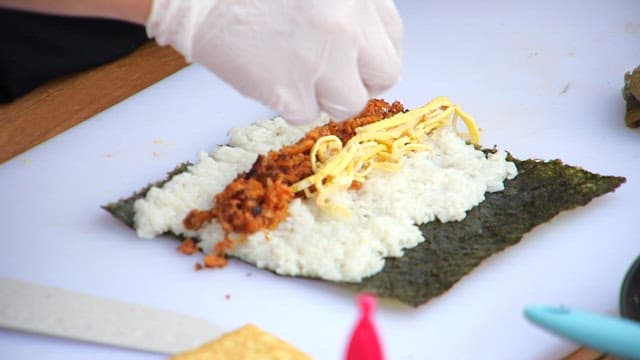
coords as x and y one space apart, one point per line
442 183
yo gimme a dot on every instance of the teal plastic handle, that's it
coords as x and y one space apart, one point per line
612 335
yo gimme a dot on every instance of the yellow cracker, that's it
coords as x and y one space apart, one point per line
248 342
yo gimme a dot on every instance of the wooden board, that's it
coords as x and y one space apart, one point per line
65 102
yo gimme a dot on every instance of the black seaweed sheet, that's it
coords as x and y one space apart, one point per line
631 96
539 192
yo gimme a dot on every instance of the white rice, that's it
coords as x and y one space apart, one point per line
443 184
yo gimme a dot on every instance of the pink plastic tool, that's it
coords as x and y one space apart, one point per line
364 344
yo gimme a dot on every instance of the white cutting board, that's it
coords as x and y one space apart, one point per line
542 79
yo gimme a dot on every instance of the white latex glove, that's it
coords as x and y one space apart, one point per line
297 57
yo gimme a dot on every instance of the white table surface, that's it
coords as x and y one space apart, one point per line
542 79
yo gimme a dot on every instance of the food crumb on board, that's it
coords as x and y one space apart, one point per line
158 141
187 247
214 261
211 260
227 297
565 88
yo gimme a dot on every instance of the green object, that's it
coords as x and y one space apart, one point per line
631 95
539 192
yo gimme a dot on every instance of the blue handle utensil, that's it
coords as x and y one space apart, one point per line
613 335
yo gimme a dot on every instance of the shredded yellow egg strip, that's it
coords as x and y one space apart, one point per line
379 145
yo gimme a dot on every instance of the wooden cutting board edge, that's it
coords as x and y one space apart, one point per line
62 103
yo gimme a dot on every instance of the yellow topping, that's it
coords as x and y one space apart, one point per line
379 145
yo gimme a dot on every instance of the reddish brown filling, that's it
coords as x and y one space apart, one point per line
188 247
259 199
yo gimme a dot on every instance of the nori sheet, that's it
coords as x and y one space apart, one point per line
123 209
631 95
451 250
541 190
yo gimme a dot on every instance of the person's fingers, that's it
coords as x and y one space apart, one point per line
340 91
327 55
378 62
295 103
378 59
390 17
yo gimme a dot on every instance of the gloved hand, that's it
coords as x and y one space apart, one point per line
297 57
